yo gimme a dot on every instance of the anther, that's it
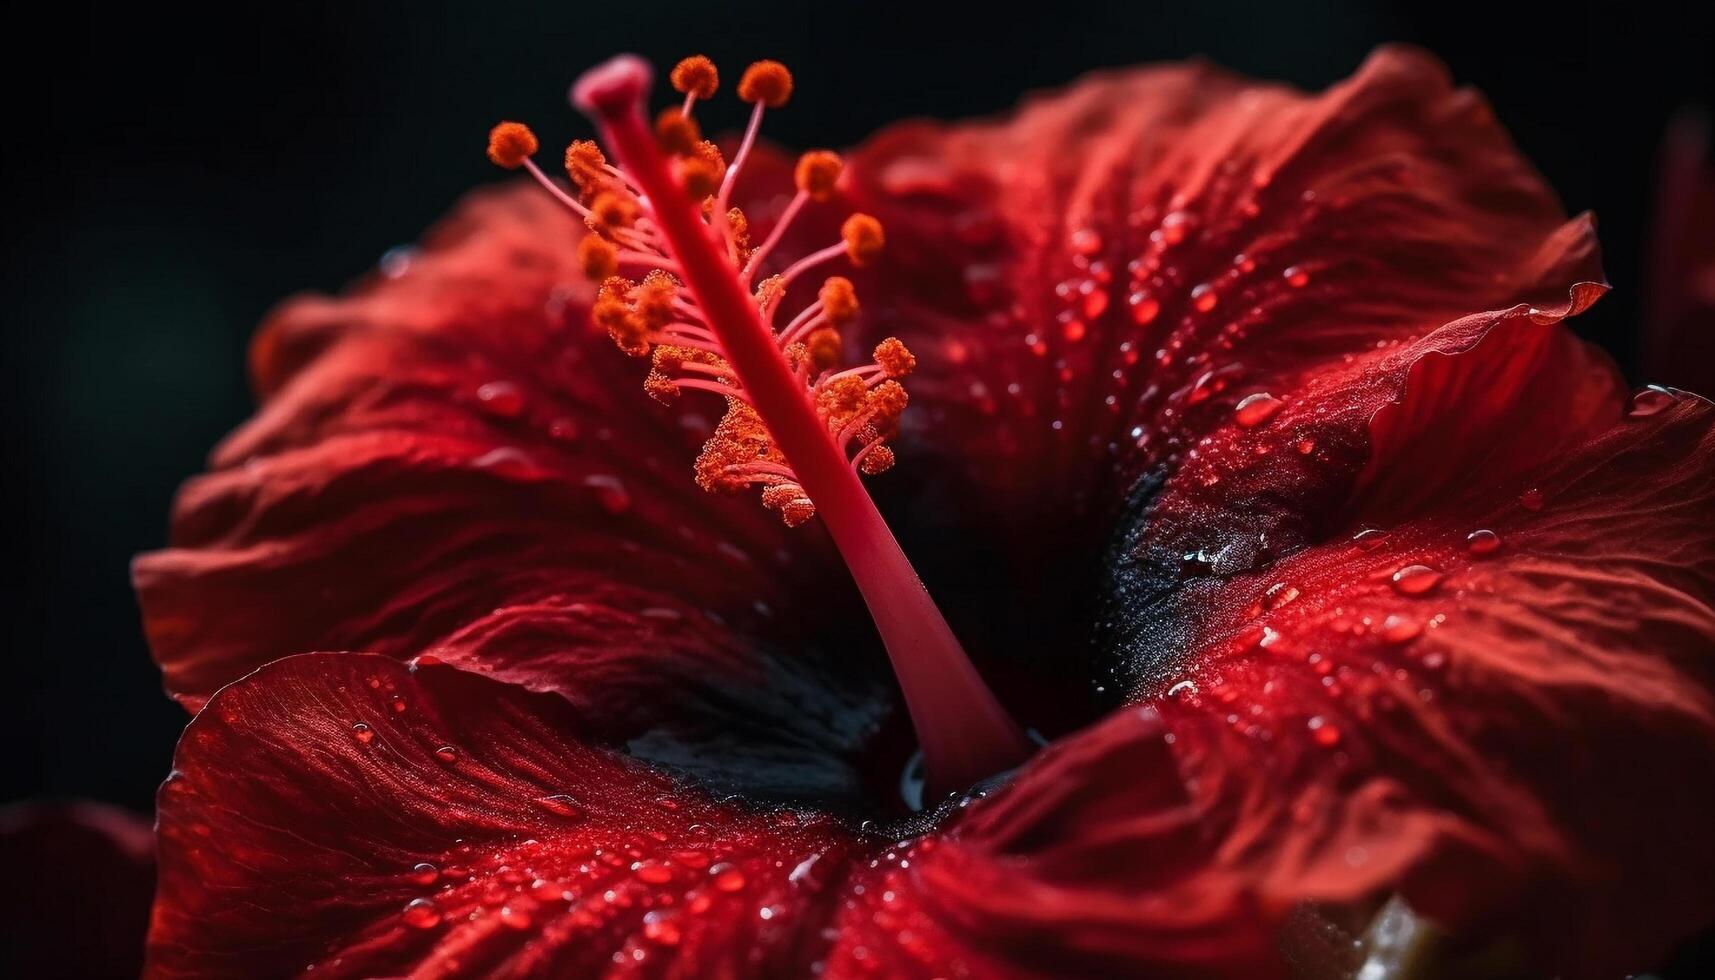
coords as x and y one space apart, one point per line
839 300
510 144
586 166
863 237
702 171
894 358
677 132
767 82
695 77
817 172
597 257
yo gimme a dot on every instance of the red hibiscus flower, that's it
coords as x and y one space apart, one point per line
1245 451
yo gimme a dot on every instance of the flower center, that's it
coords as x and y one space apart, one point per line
796 425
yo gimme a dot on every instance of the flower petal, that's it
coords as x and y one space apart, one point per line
1097 280
343 815
449 462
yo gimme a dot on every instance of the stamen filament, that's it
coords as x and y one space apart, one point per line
964 733
773 239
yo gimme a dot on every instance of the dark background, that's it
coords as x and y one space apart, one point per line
169 176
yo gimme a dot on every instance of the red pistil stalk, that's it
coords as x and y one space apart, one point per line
795 426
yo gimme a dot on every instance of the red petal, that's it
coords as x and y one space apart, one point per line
79 878
341 815
1104 275
449 462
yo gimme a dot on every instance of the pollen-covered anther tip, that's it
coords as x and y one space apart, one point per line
695 76
510 144
598 258
839 300
611 211
661 388
585 165
676 132
863 237
877 460
823 348
702 171
789 499
767 82
818 171
895 358
612 87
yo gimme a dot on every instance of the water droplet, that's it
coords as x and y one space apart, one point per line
1369 538
1649 401
1483 542
422 913
425 873
447 753
1144 308
1306 446
363 733
396 261
1323 732
1295 277
661 928
561 805
501 399
652 872
610 492
399 705
727 878
1256 409
1176 226
1399 630
1531 499
1087 241
1416 579
1204 298
515 917
1279 594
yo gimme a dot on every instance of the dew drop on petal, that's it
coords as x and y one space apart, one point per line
1323 732
1416 579
447 753
609 492
399 705
652 872
561 805
422 913
425 873
1295 277
1256 409
727 878
515 917
661 928
1399 630
363 733
1087 241
501 399
1482 542
1204 298
1531 499
1649 401
1144 308
1369 538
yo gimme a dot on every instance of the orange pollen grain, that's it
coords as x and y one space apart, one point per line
767 82
598 258
695 76
817 172
585 165
839 300
895 358
677 133
863 237
510 144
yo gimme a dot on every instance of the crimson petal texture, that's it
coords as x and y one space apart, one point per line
449 461
1097 280
342 815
